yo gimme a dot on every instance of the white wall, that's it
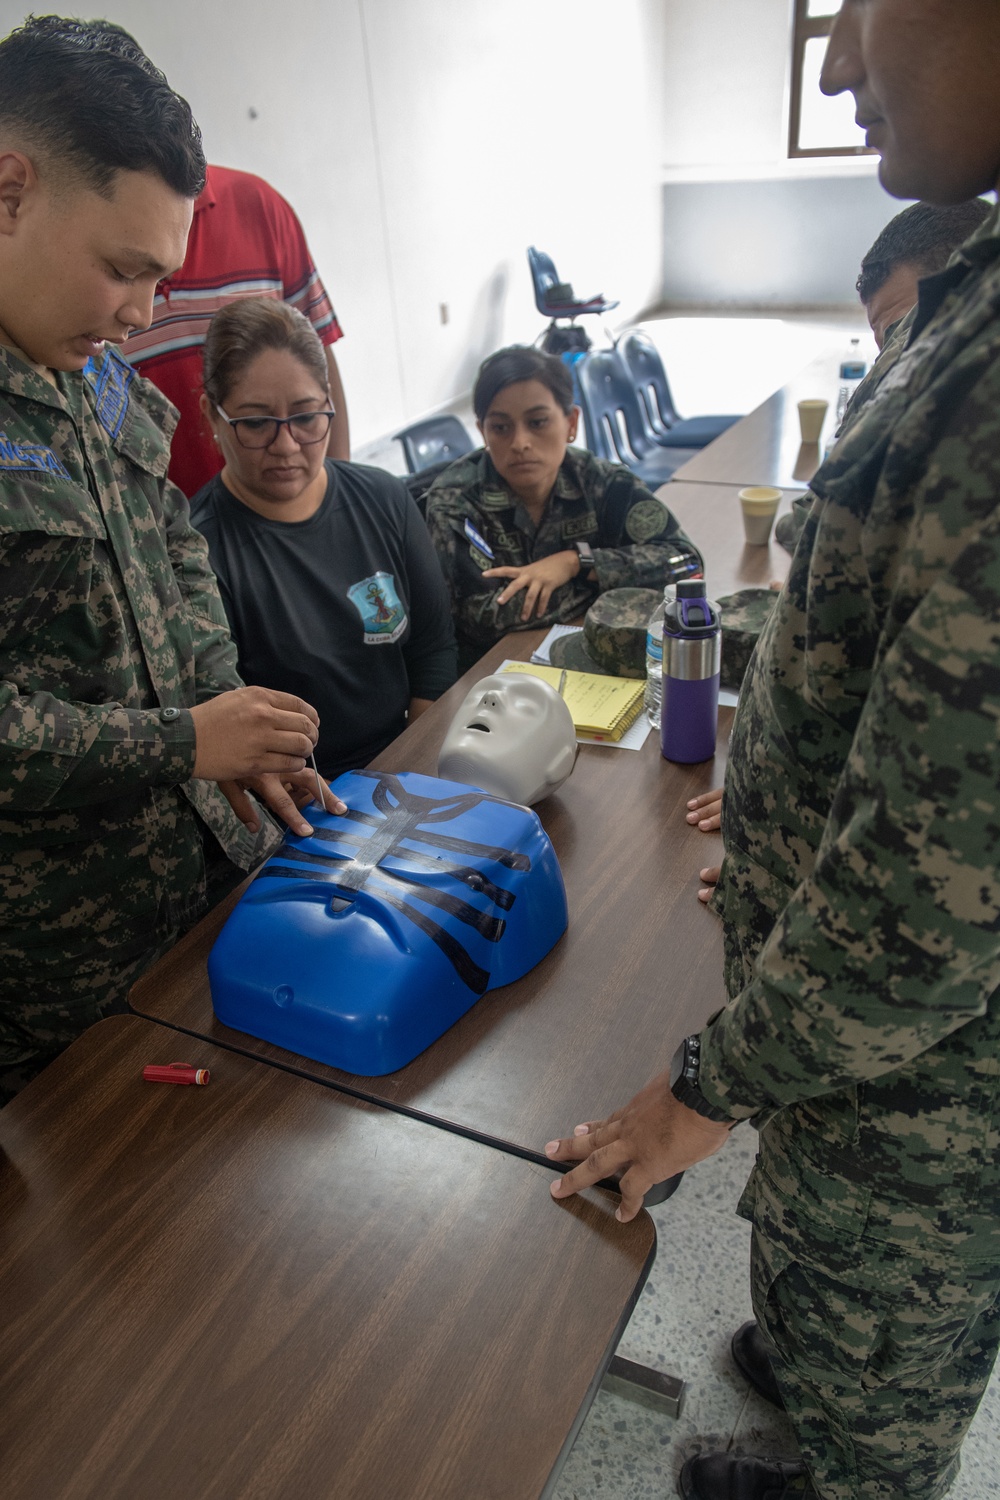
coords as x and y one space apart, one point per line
726 78
424 144
744 226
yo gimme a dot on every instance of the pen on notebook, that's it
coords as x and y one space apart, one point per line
562 683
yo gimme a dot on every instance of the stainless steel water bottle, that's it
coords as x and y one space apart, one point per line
692 652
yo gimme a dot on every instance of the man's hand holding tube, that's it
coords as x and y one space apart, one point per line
652 1138
256 739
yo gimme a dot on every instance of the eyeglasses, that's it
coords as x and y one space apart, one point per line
306 427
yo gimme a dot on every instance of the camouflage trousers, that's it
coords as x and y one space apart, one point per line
881 1371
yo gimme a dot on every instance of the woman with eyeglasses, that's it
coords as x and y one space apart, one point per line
326 569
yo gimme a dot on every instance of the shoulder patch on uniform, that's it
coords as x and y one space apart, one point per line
646 519
28 457
382 614
110 379
584 525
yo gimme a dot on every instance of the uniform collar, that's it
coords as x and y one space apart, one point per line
566 487
978 253
19 378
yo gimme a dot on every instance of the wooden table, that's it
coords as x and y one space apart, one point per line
264 1288
639 968
711 516
765 446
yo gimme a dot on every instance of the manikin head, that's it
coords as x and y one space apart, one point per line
100 163
513 737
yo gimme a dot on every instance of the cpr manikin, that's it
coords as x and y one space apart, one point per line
513 736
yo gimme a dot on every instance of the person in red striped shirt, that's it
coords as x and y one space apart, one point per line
245 241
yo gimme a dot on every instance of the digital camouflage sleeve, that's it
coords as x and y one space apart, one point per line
636 541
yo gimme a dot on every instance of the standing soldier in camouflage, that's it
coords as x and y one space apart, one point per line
529 530
860 889
127 742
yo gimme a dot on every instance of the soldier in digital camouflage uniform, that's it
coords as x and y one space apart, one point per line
499 516
860 890
112 633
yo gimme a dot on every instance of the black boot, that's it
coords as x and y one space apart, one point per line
724 1476
752 1360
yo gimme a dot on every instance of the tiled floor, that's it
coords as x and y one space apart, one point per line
696 1296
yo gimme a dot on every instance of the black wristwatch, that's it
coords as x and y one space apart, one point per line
684 1082
586 556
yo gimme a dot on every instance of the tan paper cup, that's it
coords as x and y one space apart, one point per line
759 505
812 415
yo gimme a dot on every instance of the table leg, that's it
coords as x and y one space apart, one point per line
662 1393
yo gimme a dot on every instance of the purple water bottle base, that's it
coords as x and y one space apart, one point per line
689 719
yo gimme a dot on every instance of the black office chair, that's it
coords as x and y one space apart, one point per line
436 440
642 360
556 299
614 421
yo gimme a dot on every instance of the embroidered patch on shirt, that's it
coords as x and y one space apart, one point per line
30 456
579 526
495 500
511 540
378 604
476 539
646 519
110 380
480 559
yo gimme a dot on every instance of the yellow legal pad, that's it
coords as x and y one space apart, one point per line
604 707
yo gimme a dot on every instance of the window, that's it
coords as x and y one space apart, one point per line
818 126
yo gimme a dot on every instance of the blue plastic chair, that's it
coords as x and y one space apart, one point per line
642 360
436 440
615 423
554 298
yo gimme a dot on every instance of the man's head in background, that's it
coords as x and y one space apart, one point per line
917 242
100 162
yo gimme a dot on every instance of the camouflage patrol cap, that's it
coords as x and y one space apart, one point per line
613 639
744 616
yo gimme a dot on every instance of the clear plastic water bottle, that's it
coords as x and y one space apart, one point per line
653 698
852 371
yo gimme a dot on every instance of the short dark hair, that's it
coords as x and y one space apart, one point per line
86 96
924 236
247 327
520 362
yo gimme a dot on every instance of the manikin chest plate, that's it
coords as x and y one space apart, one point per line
359 945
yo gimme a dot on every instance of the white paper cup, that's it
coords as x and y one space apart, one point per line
759 505
812 415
